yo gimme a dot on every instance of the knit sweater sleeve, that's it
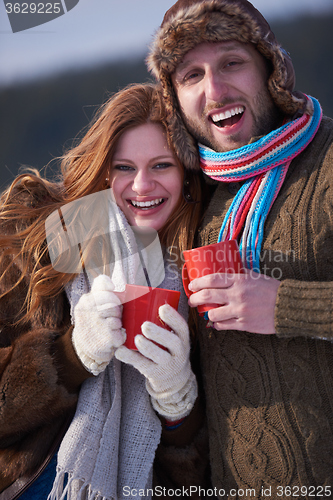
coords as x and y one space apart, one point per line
304 309
305 296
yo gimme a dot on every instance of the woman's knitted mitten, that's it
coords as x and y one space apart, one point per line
97 325
169 378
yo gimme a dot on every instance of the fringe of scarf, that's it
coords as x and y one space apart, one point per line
263 166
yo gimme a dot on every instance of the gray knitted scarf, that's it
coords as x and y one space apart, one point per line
109 448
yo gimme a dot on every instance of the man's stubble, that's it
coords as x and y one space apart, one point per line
266 119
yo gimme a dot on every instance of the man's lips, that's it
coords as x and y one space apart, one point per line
227 118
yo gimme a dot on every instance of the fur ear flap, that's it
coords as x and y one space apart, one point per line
184 144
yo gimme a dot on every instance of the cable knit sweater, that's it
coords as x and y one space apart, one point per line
269 398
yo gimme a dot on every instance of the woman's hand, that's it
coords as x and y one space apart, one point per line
169 377
97 325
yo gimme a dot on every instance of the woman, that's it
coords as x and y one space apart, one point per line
48 317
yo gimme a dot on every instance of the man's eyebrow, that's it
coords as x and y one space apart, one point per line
230 46
183 65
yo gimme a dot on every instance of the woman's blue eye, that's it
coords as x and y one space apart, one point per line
124 168
128 168
163 165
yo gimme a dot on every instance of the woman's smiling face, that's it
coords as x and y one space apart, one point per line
145 176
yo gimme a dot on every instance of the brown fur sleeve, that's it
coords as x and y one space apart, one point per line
40 374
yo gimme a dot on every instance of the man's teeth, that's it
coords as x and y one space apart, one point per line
146 204
227 114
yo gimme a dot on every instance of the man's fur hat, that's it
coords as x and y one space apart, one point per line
191 22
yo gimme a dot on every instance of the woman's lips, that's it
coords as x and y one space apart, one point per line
146 205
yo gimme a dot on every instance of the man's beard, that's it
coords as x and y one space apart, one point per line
267 118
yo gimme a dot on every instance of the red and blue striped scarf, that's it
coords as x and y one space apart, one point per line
263 166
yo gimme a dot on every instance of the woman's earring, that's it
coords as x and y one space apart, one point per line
186 191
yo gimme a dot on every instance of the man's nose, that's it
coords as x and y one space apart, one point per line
143 182
216 87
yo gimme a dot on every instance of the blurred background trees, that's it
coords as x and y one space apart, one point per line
39 120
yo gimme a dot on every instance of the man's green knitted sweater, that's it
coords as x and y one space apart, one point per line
270 397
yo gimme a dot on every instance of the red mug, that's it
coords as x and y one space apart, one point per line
140 304
222 257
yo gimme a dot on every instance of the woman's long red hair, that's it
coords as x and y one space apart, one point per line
83 171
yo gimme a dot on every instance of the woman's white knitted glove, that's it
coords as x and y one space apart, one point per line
169 378
97 325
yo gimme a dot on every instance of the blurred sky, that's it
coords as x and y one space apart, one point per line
97 31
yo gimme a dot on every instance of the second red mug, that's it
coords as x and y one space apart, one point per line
222 257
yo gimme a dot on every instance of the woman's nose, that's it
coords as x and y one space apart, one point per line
143 182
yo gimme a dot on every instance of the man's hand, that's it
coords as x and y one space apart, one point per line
247 300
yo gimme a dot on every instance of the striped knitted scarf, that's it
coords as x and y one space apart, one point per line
263 166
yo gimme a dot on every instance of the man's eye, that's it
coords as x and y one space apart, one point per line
232 63
193 75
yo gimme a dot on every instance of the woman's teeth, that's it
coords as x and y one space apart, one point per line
146 204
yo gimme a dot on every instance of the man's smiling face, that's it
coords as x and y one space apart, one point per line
222 91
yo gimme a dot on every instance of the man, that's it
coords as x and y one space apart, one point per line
267 360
